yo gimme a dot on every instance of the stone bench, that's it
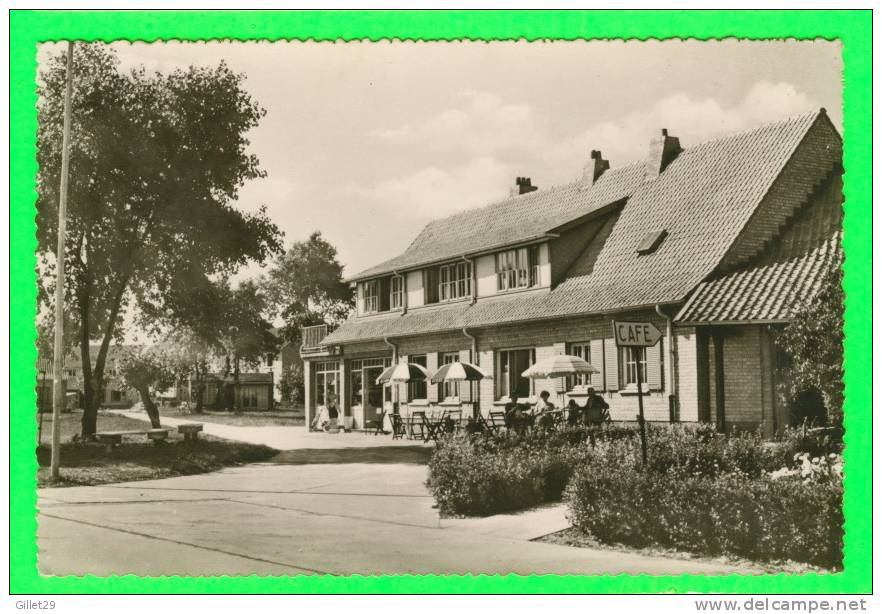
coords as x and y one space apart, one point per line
190 431
114 438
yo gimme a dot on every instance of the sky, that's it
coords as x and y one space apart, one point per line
368 142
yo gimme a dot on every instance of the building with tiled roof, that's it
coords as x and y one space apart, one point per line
718 244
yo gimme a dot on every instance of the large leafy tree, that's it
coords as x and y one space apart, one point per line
156 164
306 286
249 334
813 341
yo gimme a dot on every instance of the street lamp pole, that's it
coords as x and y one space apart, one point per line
58 392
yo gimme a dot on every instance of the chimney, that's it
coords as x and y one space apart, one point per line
594 168
662 151
524 185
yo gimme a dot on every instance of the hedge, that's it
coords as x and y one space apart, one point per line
793 514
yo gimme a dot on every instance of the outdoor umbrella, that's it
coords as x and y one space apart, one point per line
403 372
562 365
458 372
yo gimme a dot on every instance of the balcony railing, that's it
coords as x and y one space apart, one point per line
312 335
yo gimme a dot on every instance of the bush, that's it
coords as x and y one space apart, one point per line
696 506
482 475
701 450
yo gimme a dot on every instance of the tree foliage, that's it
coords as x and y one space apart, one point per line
156 163
306 287
813 340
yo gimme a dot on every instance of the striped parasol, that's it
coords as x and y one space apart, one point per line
459 372
561 365
403 372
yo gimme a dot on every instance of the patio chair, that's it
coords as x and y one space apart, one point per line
416 420
434 427
399 429
496 420
379 430
454 417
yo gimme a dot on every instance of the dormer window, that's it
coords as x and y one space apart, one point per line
371 296
517 268
448 282
651 242
454 281
396 295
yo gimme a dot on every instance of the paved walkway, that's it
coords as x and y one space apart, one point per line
281 437
282 519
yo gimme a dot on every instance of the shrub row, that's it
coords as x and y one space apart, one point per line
615 499
482 475
700 491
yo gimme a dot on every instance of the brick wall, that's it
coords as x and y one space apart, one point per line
749 393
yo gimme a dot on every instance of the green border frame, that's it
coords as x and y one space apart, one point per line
852 28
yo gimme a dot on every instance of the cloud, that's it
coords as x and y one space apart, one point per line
434 192
692 120
484 125
488 142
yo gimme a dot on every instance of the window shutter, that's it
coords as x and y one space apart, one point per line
465 388
654 366
432 366
611 364
596 361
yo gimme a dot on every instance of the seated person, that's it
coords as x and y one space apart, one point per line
513 410
596 409
544 404
574 413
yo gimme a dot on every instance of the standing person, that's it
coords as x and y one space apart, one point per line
333 413
596 409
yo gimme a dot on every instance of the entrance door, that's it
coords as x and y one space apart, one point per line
373 394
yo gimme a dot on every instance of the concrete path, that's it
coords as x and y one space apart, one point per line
281 519
281 437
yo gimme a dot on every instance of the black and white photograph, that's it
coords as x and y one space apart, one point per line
467 307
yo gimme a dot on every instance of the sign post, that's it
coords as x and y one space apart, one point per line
641 335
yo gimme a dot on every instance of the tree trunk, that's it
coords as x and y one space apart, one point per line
149 407
237 407
200 392
91 400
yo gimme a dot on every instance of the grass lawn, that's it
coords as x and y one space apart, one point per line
287 417
88 463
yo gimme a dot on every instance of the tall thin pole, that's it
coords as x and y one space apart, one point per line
58 357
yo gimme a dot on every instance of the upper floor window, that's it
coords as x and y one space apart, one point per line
376 295
448 282
517 268
396 297
371 296
454 281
